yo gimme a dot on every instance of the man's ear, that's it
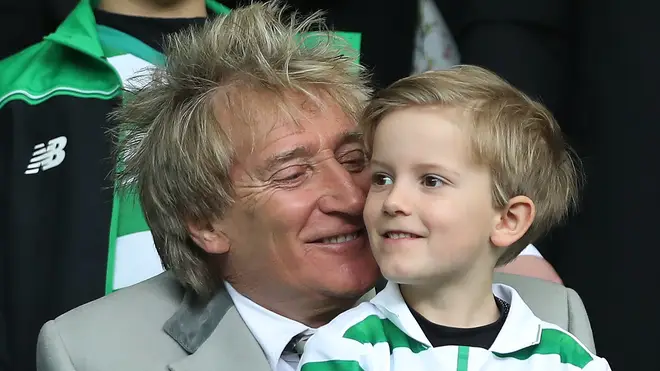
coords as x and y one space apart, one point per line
513 221
210 238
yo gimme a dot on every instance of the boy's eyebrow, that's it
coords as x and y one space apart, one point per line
429 166
378 163
421 167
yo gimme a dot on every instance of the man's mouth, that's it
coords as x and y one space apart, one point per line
341 238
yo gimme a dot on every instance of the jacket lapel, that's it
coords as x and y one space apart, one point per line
215 336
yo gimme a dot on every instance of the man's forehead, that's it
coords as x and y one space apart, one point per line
265 115
324 121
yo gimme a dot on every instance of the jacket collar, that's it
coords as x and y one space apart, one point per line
78 31
214 335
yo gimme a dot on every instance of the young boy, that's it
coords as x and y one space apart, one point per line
466 171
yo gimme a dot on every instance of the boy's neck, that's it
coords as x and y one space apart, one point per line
155 8
464 303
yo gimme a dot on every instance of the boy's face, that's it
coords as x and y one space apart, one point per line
429 211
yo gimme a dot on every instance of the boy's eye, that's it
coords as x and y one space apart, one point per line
380 179
432 181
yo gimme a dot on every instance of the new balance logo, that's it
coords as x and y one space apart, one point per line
47 157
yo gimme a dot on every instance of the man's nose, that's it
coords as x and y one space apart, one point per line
341 193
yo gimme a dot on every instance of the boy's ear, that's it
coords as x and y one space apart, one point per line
209 237
513 221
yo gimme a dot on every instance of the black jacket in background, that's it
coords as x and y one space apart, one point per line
607 252
526 42
26 22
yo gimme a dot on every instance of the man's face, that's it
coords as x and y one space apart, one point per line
296 229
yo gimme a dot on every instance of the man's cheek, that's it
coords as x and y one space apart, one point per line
362 180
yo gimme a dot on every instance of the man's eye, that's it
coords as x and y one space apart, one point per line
290 174
354 161
432 181
380 179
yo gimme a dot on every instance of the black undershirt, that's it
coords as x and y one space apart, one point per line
479 337
150 31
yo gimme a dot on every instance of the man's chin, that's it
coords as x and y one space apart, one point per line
358 286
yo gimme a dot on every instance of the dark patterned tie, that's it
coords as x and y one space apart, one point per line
297 343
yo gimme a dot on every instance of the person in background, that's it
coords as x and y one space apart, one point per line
61 238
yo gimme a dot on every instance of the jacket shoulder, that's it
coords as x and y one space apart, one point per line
125 326
547 300
155 297
48 69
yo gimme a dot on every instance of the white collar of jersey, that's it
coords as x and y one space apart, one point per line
271 330
521 329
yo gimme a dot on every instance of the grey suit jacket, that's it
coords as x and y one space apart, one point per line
156 326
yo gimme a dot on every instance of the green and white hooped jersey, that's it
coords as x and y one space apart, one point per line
132 256
382 335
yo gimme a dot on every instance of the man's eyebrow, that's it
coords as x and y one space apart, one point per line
278 159
350 137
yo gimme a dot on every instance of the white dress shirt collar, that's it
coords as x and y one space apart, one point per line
271 330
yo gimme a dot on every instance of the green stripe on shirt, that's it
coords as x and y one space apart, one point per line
373 330
463 358
332 366
555 342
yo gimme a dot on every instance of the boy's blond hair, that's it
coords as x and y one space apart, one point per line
516 137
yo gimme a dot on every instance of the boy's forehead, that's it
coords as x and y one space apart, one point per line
422 134
404 117
429 120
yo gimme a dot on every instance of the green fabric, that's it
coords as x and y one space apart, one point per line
217 7
555 342
44 69
112 246
463 358
373 330
115 42
332 366
78 31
